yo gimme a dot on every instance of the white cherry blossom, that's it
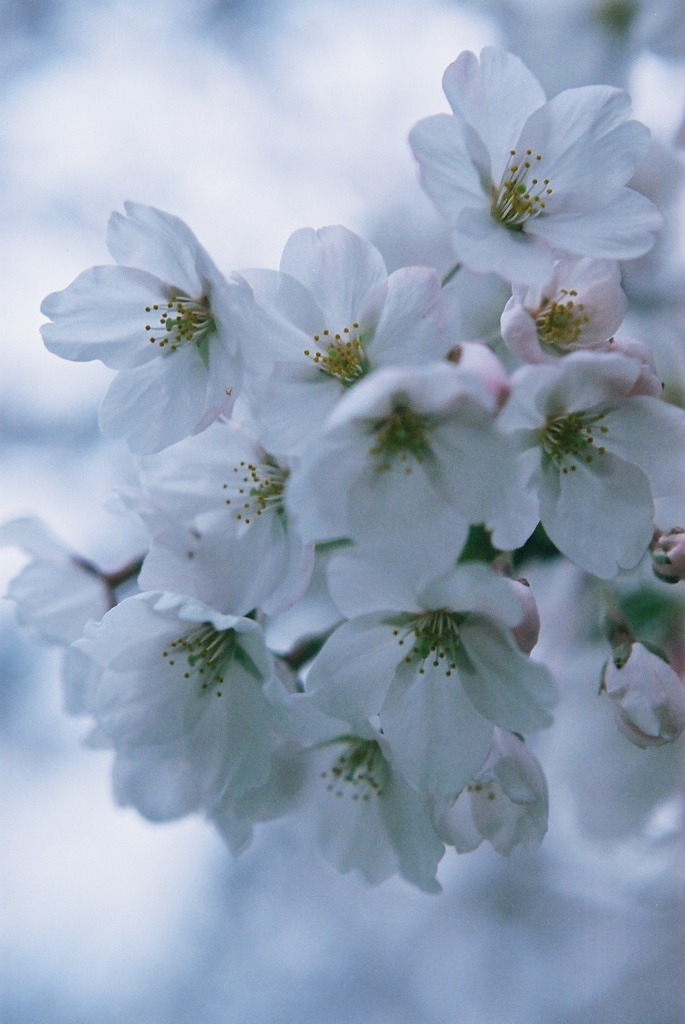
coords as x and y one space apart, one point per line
180 696
593 456
325 320
214 505
437 663
58 591
163 317
400 462
521 180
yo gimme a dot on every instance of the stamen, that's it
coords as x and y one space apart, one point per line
340 354
522 193
560 321
572 437
359 772
256 489
436 637
179 321
208 653
403 435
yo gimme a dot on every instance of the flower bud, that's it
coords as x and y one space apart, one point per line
528 630
506 803
649 382
647 697
668 555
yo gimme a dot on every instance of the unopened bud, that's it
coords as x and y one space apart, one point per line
647 697
649 382
528 630
668 555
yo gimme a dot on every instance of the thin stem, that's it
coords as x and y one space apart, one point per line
451 273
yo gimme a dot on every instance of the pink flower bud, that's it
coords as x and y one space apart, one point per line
649 382
668 555
647 697
481 362
528 630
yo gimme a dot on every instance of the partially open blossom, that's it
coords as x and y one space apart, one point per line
581 307
521 180
647 697
668 555
506 803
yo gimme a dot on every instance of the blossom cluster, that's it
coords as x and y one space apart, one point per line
338 483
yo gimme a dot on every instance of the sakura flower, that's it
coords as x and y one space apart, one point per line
180 697
57 592
325 320
400 462
163 318
506 803
367 818
437 663
592 457
522 180
647 697
581 307
215 506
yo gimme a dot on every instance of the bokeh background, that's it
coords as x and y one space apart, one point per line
249 119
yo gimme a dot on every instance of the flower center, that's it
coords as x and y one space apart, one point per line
256 489
522 194
572 437
178 321
434 635
359 772
403 435
340 355
208 654
560 321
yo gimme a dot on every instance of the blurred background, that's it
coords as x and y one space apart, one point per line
249 119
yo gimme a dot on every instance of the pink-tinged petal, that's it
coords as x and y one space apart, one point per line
486 246
506 686
622 229
337 267
437 738
600 516
495 97
160 242
159 403
519 333
102 315
350 676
